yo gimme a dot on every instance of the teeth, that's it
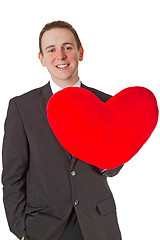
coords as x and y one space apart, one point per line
62 66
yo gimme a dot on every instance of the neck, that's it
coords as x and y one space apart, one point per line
65 83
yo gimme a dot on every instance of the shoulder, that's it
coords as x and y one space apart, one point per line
31 93
30 96
101 95
28 101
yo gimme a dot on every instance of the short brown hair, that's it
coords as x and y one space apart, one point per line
58 24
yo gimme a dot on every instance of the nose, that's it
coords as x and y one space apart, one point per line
61 54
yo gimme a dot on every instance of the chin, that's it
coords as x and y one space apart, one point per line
66 78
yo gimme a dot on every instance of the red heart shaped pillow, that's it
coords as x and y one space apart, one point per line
105 135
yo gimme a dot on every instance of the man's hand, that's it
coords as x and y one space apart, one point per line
22 238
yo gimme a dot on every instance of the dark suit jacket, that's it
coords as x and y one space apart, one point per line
40 189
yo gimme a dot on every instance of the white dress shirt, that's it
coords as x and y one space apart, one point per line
55 88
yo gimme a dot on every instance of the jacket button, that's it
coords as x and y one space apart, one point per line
73 173
76 202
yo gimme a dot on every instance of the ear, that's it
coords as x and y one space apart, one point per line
81 52
41 58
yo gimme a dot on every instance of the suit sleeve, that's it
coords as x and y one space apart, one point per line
15 165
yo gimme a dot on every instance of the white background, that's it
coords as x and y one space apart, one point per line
121 40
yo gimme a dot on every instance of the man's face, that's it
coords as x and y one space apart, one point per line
61 55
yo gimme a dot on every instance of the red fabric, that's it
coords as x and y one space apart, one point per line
105 135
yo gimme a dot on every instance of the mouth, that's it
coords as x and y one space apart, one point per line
62 66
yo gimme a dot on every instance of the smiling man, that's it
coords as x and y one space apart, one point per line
48 193
60 54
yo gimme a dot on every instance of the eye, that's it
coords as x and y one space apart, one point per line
52 50
68 48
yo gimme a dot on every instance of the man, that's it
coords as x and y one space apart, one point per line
48 193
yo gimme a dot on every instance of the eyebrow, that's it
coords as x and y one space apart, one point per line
62 44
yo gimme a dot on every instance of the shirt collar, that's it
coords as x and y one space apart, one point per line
55 88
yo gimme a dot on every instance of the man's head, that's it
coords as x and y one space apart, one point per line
58 24
60 52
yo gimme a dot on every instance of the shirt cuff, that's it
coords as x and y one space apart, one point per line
102 170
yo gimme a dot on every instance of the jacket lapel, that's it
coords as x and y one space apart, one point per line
43 97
